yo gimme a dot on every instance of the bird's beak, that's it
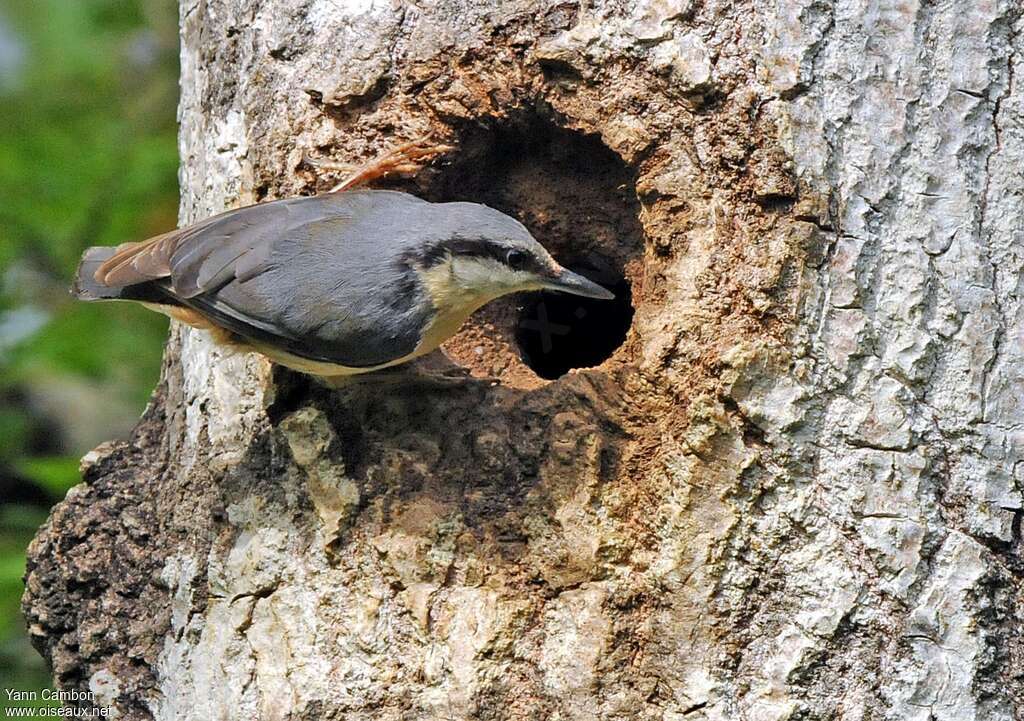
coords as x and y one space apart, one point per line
568 282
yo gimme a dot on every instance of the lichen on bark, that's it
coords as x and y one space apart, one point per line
793 492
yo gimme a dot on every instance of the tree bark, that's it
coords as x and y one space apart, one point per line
793 492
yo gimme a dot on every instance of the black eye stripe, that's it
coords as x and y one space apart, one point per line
478 248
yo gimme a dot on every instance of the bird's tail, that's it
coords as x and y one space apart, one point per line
85 286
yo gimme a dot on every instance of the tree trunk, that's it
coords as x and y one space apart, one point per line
792 492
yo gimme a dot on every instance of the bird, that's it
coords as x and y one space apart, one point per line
336 284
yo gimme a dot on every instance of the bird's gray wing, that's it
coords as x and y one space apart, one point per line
308 275
201 257
334 289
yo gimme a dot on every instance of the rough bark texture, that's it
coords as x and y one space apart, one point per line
794 492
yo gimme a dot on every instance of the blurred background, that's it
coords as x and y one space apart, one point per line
88 156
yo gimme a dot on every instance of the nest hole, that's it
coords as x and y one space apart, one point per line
556 332
578 198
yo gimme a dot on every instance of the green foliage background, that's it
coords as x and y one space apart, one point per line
88 156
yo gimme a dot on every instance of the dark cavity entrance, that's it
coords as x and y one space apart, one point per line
558 332
578 198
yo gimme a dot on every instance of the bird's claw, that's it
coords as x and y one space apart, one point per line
406 159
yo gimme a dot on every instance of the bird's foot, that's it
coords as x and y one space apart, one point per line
429 371
406 159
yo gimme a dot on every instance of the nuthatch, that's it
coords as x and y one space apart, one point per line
333 284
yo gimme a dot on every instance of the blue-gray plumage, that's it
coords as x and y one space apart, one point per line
332 284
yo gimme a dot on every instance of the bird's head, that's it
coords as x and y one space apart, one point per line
478 254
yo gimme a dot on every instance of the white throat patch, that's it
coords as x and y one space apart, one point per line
488 278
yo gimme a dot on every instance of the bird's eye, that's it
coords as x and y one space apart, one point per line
516 259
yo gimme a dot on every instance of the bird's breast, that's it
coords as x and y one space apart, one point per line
452 304
443 326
